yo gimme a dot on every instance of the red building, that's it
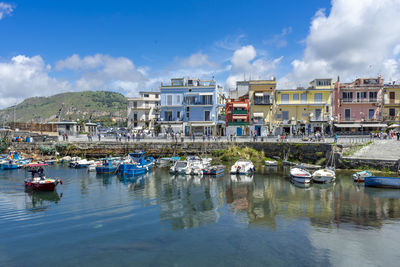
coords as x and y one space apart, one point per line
237 116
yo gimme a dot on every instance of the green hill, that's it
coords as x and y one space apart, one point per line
102 106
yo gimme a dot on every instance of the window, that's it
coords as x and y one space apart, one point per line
392 112
146 95
168 115
134 104
135 116
187 114
285 115
146 104
187 109
347 114
207 115
318 113
178 115
266 99
156 96
318 98
373 96
371 113
169 100
304 98
347 97
296 97
146 116
327 109
178 99
190 100
285 98
207 99
361 96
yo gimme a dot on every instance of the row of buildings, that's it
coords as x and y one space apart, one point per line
196 107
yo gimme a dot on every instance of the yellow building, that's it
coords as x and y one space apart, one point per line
391 103
261 95
304 111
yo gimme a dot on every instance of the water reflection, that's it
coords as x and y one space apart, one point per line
37 201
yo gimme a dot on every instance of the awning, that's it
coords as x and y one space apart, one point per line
239 105
393 126
201 124
348 125
206 93
375 125
240 117
259 94
260 114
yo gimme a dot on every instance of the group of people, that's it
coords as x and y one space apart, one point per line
392 134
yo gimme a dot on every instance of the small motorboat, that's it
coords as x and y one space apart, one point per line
243 166
83 163
300 175
324 176
164 162
271 163
383 182
107 166
195 167
359 177
214 170
179 167
38 180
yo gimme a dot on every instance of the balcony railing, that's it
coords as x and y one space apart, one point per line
236 112
392 102
360 100
238 123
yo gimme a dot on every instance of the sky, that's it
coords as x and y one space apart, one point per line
49 47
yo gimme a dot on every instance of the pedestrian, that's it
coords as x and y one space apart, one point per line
335 137
66 137
129 136
398 136
99 136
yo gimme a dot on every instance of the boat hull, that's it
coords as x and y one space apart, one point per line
134 169
106 170
41 186
323 179
301 180
382 182
213 171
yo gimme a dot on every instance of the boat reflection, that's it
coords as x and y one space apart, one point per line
41 200
242 178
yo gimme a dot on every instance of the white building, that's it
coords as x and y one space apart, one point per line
143 111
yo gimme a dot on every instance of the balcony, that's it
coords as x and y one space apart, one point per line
238 123
319 118
392 102
391 118
237 112
358 101
263 102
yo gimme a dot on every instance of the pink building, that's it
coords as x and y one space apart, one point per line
358 104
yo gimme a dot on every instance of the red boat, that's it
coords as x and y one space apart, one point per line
38 180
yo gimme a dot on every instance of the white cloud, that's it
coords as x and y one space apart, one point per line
245 63
279 40
197 60
5 9
103 72
25 77
357 38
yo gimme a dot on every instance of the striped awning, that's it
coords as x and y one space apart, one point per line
348 125
258 114
375 125
240 117
259 94
240 105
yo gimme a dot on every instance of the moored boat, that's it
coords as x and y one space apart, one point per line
271 163
179 167
300 175
214 170
107 166
383 182
243 166
324 176
359 177
136 164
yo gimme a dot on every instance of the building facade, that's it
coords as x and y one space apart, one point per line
237 117
191 107
262 108
144 111
358 105
304 111
391 103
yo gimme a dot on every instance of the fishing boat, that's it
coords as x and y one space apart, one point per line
78 164
136 164
179 167
271 163
324 176
214 170
195 167
38 180
383 182
107 165
359 177
300 175
243 166
14 161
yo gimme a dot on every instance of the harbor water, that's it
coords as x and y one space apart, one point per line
163 220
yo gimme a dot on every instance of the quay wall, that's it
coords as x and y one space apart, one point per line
302 152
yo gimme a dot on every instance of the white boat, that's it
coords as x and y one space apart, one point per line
179 167
300 175
195 167
359 177
324 176
243 166
271 163
92 166
164 162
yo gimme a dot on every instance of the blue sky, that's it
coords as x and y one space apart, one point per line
128 46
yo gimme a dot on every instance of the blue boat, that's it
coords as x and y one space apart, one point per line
214 170
137 164
384 182
14 161
107 166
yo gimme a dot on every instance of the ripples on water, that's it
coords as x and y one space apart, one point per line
159 219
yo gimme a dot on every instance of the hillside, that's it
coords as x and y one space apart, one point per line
101 105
